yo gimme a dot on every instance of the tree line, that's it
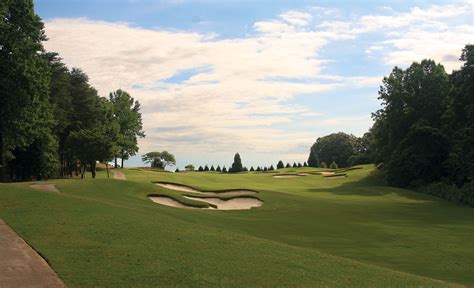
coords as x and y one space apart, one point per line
52 121
423 135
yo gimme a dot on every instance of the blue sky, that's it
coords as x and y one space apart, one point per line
263 78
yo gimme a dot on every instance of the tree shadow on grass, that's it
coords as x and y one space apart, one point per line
373 184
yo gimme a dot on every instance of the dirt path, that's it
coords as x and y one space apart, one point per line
45 187
118 175
20 265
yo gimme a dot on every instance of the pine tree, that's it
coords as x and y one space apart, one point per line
251 169
288 165
299 164
218 169
259 169
206 168
333 165
280 165
237 165
305 164
224 170
271 168
294 165
200 169
212 168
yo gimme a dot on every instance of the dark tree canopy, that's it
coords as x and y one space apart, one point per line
313 160
336 147
237 165
408 135
159 159
280 165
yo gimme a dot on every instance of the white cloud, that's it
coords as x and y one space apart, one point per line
296 18
208 106
242 95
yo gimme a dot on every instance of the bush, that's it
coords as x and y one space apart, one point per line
463 195
177 170
305 164
323 165
333 165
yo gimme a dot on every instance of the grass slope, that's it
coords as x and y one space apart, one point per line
311 231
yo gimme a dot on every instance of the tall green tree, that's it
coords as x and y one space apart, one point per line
237 165
26 118
407 134
458 121
161 159
336 147
127 112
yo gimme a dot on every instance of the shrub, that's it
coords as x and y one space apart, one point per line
323 165
177 170
271 168
305 164
333 165
288 165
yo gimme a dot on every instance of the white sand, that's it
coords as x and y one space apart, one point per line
327 172
286 176
241 203
45 187
171 202
183 188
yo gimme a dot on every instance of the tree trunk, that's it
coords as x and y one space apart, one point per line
83 170
107 167
93 164
121 166
115 162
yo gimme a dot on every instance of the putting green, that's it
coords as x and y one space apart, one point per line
311 231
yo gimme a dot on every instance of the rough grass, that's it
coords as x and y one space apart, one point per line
353 231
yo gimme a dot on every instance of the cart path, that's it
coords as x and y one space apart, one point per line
20 265
118 175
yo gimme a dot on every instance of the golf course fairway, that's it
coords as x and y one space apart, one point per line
311 231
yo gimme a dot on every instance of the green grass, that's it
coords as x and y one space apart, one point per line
311 231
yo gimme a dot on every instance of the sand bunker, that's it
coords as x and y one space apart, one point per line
45 187
184 188
167 201
327 172
336 177
287 176
239 203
